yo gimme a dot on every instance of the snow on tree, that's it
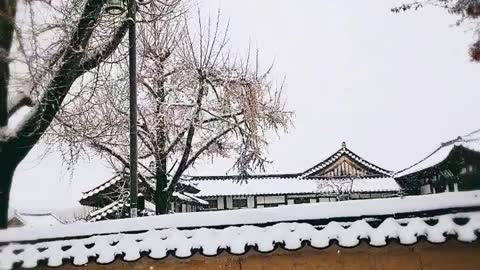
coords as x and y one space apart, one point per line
340 187
467 10
56 46
196 100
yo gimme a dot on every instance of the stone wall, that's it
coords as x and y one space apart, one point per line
421 256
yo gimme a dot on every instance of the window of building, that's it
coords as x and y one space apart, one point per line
301 200
271 201
239 202
212 203
270 205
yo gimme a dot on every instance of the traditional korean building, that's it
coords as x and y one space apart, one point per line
111 199
342 176
453 166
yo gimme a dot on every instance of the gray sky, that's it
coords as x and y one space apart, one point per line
393 86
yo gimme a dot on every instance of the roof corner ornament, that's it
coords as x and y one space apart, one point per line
344 145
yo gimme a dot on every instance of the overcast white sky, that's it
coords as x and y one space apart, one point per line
393 86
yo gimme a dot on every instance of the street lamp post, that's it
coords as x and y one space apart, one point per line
116 7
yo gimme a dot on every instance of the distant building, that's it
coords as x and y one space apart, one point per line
342 176
46 217
453 166
110 200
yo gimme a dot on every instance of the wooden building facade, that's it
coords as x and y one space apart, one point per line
453 166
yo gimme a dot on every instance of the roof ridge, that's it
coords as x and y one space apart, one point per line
258 176
471 133
423 159
387 172
345 150
103 183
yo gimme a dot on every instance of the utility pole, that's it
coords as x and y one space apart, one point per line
132 68
116 8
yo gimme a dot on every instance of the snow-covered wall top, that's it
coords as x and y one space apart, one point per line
159 243
287 213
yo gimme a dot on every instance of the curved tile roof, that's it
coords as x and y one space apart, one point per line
470 141
345 151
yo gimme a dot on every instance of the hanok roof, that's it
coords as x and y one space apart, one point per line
470 141
343 165
342 160
436 217
280 185
111 210
39 219
113 187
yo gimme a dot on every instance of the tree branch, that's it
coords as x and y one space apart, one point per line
190 133
111 152
107 49
207 145
17 102
7 26
37 121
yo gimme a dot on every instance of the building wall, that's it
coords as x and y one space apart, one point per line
422 256
261 201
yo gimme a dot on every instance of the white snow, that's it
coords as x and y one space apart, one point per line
344 151
470 141
272 185
182 242
188 197
102 187
313 211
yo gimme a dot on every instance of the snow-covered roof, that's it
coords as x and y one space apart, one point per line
103 212
377 221
118 205
188 197
470 141
102 186
270 185
48 216
38 219
345 151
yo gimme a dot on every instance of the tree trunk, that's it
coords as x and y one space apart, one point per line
162 193
162 196
6 177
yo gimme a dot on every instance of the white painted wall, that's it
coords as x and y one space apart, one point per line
274 199
251 202
220 203
229 202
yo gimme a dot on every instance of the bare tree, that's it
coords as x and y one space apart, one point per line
341 187
57 50
468 11
196 100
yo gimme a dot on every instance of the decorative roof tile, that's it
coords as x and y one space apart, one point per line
158 244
